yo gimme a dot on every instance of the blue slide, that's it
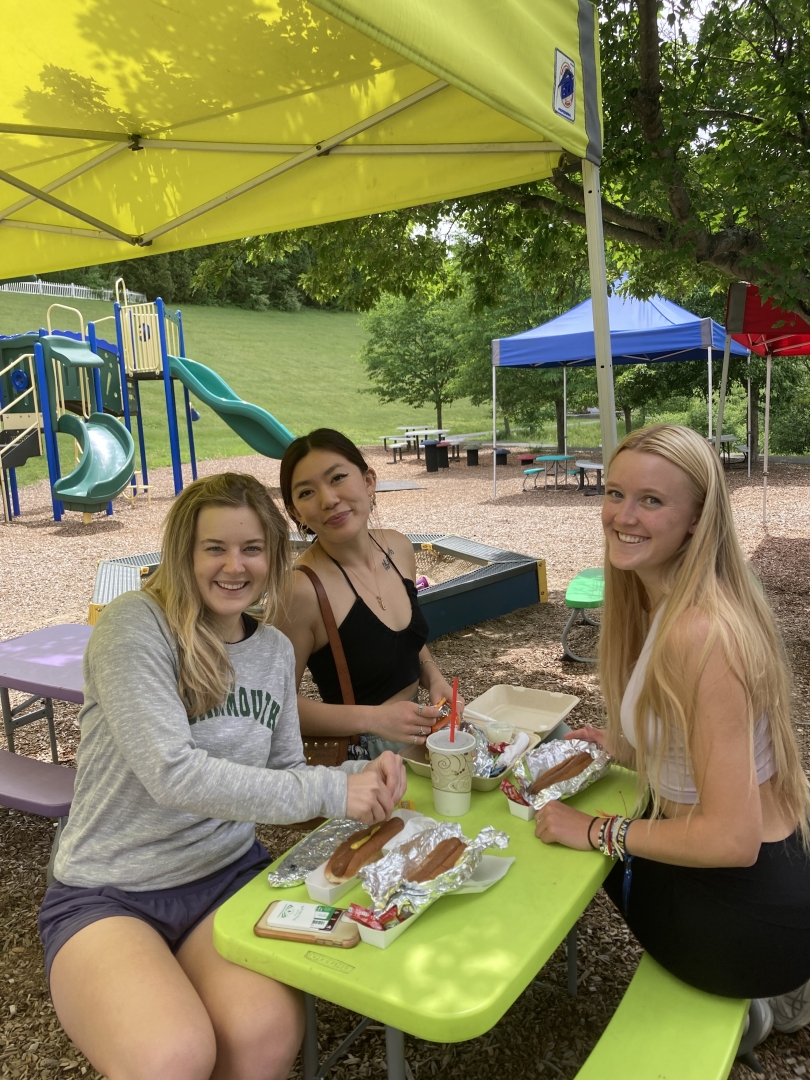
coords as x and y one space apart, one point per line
261 431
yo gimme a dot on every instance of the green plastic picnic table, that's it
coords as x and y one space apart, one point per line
556 459
455 972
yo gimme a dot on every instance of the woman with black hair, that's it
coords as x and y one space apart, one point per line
368 578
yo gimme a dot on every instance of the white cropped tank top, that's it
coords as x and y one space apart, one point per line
676 782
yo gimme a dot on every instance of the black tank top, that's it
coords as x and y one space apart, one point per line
381 661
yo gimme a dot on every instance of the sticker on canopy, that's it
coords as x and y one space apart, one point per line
564 85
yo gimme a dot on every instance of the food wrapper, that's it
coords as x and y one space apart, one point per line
313 850
384 880
485 756
551 753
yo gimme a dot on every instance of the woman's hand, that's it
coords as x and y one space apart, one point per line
391 769
400 721
561 824
440 689
374 792
590 734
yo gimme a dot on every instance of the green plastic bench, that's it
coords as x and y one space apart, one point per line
531 472
666 1030
586 591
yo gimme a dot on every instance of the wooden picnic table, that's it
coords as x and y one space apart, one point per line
726 442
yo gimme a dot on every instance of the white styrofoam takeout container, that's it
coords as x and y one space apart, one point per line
533 710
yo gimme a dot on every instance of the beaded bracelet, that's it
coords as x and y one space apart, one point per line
590 826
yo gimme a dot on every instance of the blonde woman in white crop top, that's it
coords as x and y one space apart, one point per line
698 696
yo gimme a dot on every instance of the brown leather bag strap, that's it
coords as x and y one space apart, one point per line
335 643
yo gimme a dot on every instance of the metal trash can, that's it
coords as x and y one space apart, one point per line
472 455
431 454
444 461
501 457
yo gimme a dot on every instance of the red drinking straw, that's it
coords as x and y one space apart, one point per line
453 713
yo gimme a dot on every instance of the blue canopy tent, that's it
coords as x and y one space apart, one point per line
641 332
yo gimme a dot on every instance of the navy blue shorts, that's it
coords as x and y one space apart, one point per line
173 913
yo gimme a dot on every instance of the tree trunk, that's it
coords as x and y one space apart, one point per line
628 419
438 413
507 432
559 406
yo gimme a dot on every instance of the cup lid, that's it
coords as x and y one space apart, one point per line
440 740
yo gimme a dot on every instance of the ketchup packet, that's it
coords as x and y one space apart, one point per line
512 793
366 916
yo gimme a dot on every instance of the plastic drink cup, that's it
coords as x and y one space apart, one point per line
451 771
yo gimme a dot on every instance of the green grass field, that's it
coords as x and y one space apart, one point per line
300 366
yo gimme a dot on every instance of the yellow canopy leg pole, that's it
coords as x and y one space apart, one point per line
601 322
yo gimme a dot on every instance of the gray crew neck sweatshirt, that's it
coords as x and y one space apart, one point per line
162 800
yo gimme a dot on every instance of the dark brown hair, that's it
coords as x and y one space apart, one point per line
323 438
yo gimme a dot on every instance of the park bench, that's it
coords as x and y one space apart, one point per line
399 446
37 787
666 1029
586 591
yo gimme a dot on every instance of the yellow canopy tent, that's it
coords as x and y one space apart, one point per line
130 129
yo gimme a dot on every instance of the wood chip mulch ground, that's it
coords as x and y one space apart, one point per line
48 572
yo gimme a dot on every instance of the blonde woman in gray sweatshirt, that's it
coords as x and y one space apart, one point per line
189 736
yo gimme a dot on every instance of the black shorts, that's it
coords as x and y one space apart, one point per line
739 932
173 913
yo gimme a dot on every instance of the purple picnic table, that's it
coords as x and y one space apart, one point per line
45 664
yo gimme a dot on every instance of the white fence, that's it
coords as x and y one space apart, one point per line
79 292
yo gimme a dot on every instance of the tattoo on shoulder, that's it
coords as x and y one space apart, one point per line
387 556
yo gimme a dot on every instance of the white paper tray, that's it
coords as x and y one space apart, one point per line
489 871
324 892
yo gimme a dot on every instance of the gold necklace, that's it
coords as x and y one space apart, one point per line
376 594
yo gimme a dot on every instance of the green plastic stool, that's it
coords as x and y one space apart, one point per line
531 472
586 591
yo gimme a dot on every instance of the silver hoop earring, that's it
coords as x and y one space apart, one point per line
374 500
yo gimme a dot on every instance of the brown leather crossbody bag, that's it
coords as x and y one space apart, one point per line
324 749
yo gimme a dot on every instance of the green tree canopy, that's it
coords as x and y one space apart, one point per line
705 177
412 352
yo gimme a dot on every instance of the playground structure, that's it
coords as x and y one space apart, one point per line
50 383
469 582
46 388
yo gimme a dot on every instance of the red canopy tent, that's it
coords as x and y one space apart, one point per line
769 331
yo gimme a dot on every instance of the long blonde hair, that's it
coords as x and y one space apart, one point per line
205 671
710 575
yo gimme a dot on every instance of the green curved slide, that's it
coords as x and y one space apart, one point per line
261 431
106 464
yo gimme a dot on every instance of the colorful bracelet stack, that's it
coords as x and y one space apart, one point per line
613 835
